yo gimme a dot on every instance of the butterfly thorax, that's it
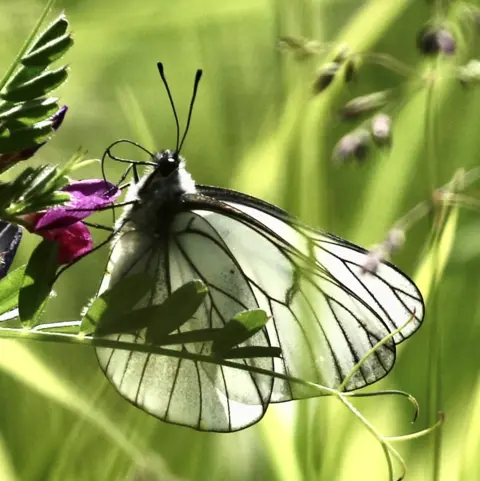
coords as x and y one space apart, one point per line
158 195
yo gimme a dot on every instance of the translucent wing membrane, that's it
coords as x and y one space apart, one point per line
201 395
326 313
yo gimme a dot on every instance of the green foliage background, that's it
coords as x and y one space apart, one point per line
256 128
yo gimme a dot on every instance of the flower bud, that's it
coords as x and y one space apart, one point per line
432 40
325 76
364 104
354 145
301 48
395 240
381 128
342 55
350 71
379 253
373 260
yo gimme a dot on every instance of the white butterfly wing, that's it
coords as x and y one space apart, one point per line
325 313
200 395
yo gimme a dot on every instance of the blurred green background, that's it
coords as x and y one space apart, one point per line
257 128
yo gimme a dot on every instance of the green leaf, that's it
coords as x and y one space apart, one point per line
29 136
103 315
177 309
23 75
44 201
36 87
240 328
49 52
9 289
56 29
31 111
44 177
37 282
34 189
252 351
64 327
161 319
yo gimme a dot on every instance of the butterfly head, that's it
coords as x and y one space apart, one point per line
167 162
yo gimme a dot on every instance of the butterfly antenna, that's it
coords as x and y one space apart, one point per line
198 76
164 80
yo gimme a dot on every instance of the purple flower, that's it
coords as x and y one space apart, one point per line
87 196
63 224
432 40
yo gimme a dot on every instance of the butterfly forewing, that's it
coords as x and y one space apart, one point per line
201 395
327 313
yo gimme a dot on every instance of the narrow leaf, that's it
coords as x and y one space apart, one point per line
240 328
31 111
23 75
103 315
177 309
30 136
49 52
161 319
37 282
56 29
65 327
9 289
36 87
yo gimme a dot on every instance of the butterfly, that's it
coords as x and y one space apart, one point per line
324 311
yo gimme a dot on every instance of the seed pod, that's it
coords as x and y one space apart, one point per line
364 104
381 128
354 145
325 76
432 40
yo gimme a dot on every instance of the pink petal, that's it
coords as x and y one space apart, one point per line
74 241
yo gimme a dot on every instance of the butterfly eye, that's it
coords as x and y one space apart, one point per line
167 165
